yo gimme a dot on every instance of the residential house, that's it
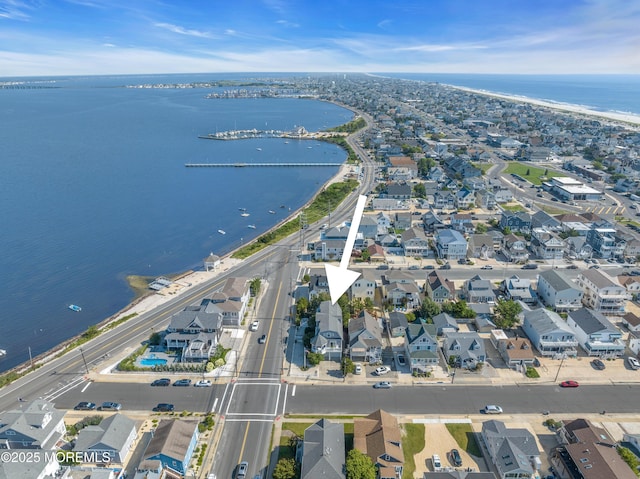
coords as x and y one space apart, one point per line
401 168
378 436
463 223
605 241
596 334
231 301
602 293
502 194
632 248
515 249
376 253
445 323
486 199
384 221
39 466
397 323
328 338
517 352
415 242
406 295
450 244
557 291
113 438
365 286
546 245
633 341
318 284
402 220
483 321
398 191
518 289
444 200
631 321
463 349
196 330
323 451
437 174
365 338
589 451
513 451
549 333
478 290
542 219
36 425
368 227
171 447
480 246
465 199
438 288
516 221
421 346
328 249
458 474
432 222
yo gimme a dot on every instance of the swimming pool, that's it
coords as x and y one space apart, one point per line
151 360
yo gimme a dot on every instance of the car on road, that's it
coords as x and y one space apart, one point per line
554 199
487 266
633 363
262 339
382 370
539 195
182 382
594 266
414 267
242 470
164 407
530 266
203 383
569 384
401 360
85 406
254 326
598 364
161 382
382 385
429 266
572 266
110 406
445 266
492 409
634 272
456 459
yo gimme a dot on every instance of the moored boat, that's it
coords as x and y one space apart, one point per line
3 352
245 214
75 307
222 232
271 212
251 226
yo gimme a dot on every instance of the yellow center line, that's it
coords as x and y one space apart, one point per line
266 344
244 442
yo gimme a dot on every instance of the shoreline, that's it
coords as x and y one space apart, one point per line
628 119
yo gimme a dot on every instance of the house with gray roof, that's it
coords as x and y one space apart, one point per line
36 425
518 289
171 447
323 451
438 288
398 191
415 242
113 438
602 292
513 451
432 222
549 333
196 330
328 338
397 323
458 475
444 323
542 219
478 290
421 346
464 349
39 466
364 287
365 338
450 244
596 334
514 249
368 227
557 291
516 221
480 246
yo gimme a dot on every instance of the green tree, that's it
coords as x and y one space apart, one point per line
528 172
302 306
481 228
429 308
366 256
306 278
359 466
506 313
343 302
314 358
255 286
347 366
419 190
285 469
155 338
629 457
368 304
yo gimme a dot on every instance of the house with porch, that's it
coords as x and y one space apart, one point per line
415 242
171 448
558 292
111 440
438 288
378 435
513 451
365 338
515 221
480 246
514 249
478 290
36 425
464 350
596 335
450 244
328 339
549 333
196 330
463 223
518 289
546 245
365 286
602 292
421 346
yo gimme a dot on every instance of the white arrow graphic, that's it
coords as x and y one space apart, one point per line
339 277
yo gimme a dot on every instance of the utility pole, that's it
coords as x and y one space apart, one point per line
84 360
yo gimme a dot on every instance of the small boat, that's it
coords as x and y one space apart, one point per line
259 149
222 232
242 209
271 212
3 352
245 214
251 226
75 307
282 206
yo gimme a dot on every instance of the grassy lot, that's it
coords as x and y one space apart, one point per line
484 167
514 208
412 443
463 434
535 173
552 210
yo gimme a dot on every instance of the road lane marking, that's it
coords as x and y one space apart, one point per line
224 395
284 402
215 403
241 380
293 390
273 316
244 442
85 388
248 421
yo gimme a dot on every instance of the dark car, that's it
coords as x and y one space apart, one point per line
530 266
263 339
572 266
455 458
161 382
597 364
182 382
163 407
445 266
429 266
569 384
85 406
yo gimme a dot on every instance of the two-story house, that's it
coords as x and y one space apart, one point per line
518 289
365 286
379 436
328 338
602 293
557 291
323 451
480 246
596 334
549 333
514 249
546 245
365 338
438 288
36 425
462 222
421 346
478 290
415 242
464 350
171 448
111 440
513 451
516 221
605 241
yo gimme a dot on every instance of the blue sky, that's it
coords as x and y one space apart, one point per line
60 37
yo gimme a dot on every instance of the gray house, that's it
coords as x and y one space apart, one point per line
464 350
365 338
38 425
323 451
596 334
328 338
421 346
112 438
548 333
478 290
450 244
514 452
445 323
518 289
397 323
196 330
558 292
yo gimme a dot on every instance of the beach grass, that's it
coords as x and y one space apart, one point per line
533 174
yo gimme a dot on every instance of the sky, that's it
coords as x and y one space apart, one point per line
81 37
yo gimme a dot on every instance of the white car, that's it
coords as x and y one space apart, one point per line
487 266
492 409
254 326
633 363
382 370
437 465
203 383
358 368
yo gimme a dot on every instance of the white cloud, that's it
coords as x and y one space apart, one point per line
15 10
184 31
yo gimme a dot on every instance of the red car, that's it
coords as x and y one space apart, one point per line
569 384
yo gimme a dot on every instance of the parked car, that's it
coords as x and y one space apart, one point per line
633 363
242 470
530 266
456 459
594 266
203 383
382 385
492 409
572 266
163 407
445 266
437 464
161 382
569 384
182 382
429 266
85 406
262 339
487 266
401 360
382 370
110 406
412 267
254 326
358 368
598 364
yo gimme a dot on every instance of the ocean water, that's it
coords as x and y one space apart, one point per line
619 93
93 188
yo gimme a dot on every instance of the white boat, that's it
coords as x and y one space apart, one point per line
245 214
259 149
3 352
271 212
222 232
75 307
251 226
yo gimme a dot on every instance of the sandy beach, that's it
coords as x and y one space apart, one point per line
617 117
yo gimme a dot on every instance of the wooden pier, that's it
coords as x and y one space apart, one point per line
244 165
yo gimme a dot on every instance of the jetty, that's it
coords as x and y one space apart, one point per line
297 133
244 165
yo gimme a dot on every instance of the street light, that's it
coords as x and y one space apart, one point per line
84 360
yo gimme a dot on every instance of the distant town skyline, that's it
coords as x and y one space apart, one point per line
91 37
